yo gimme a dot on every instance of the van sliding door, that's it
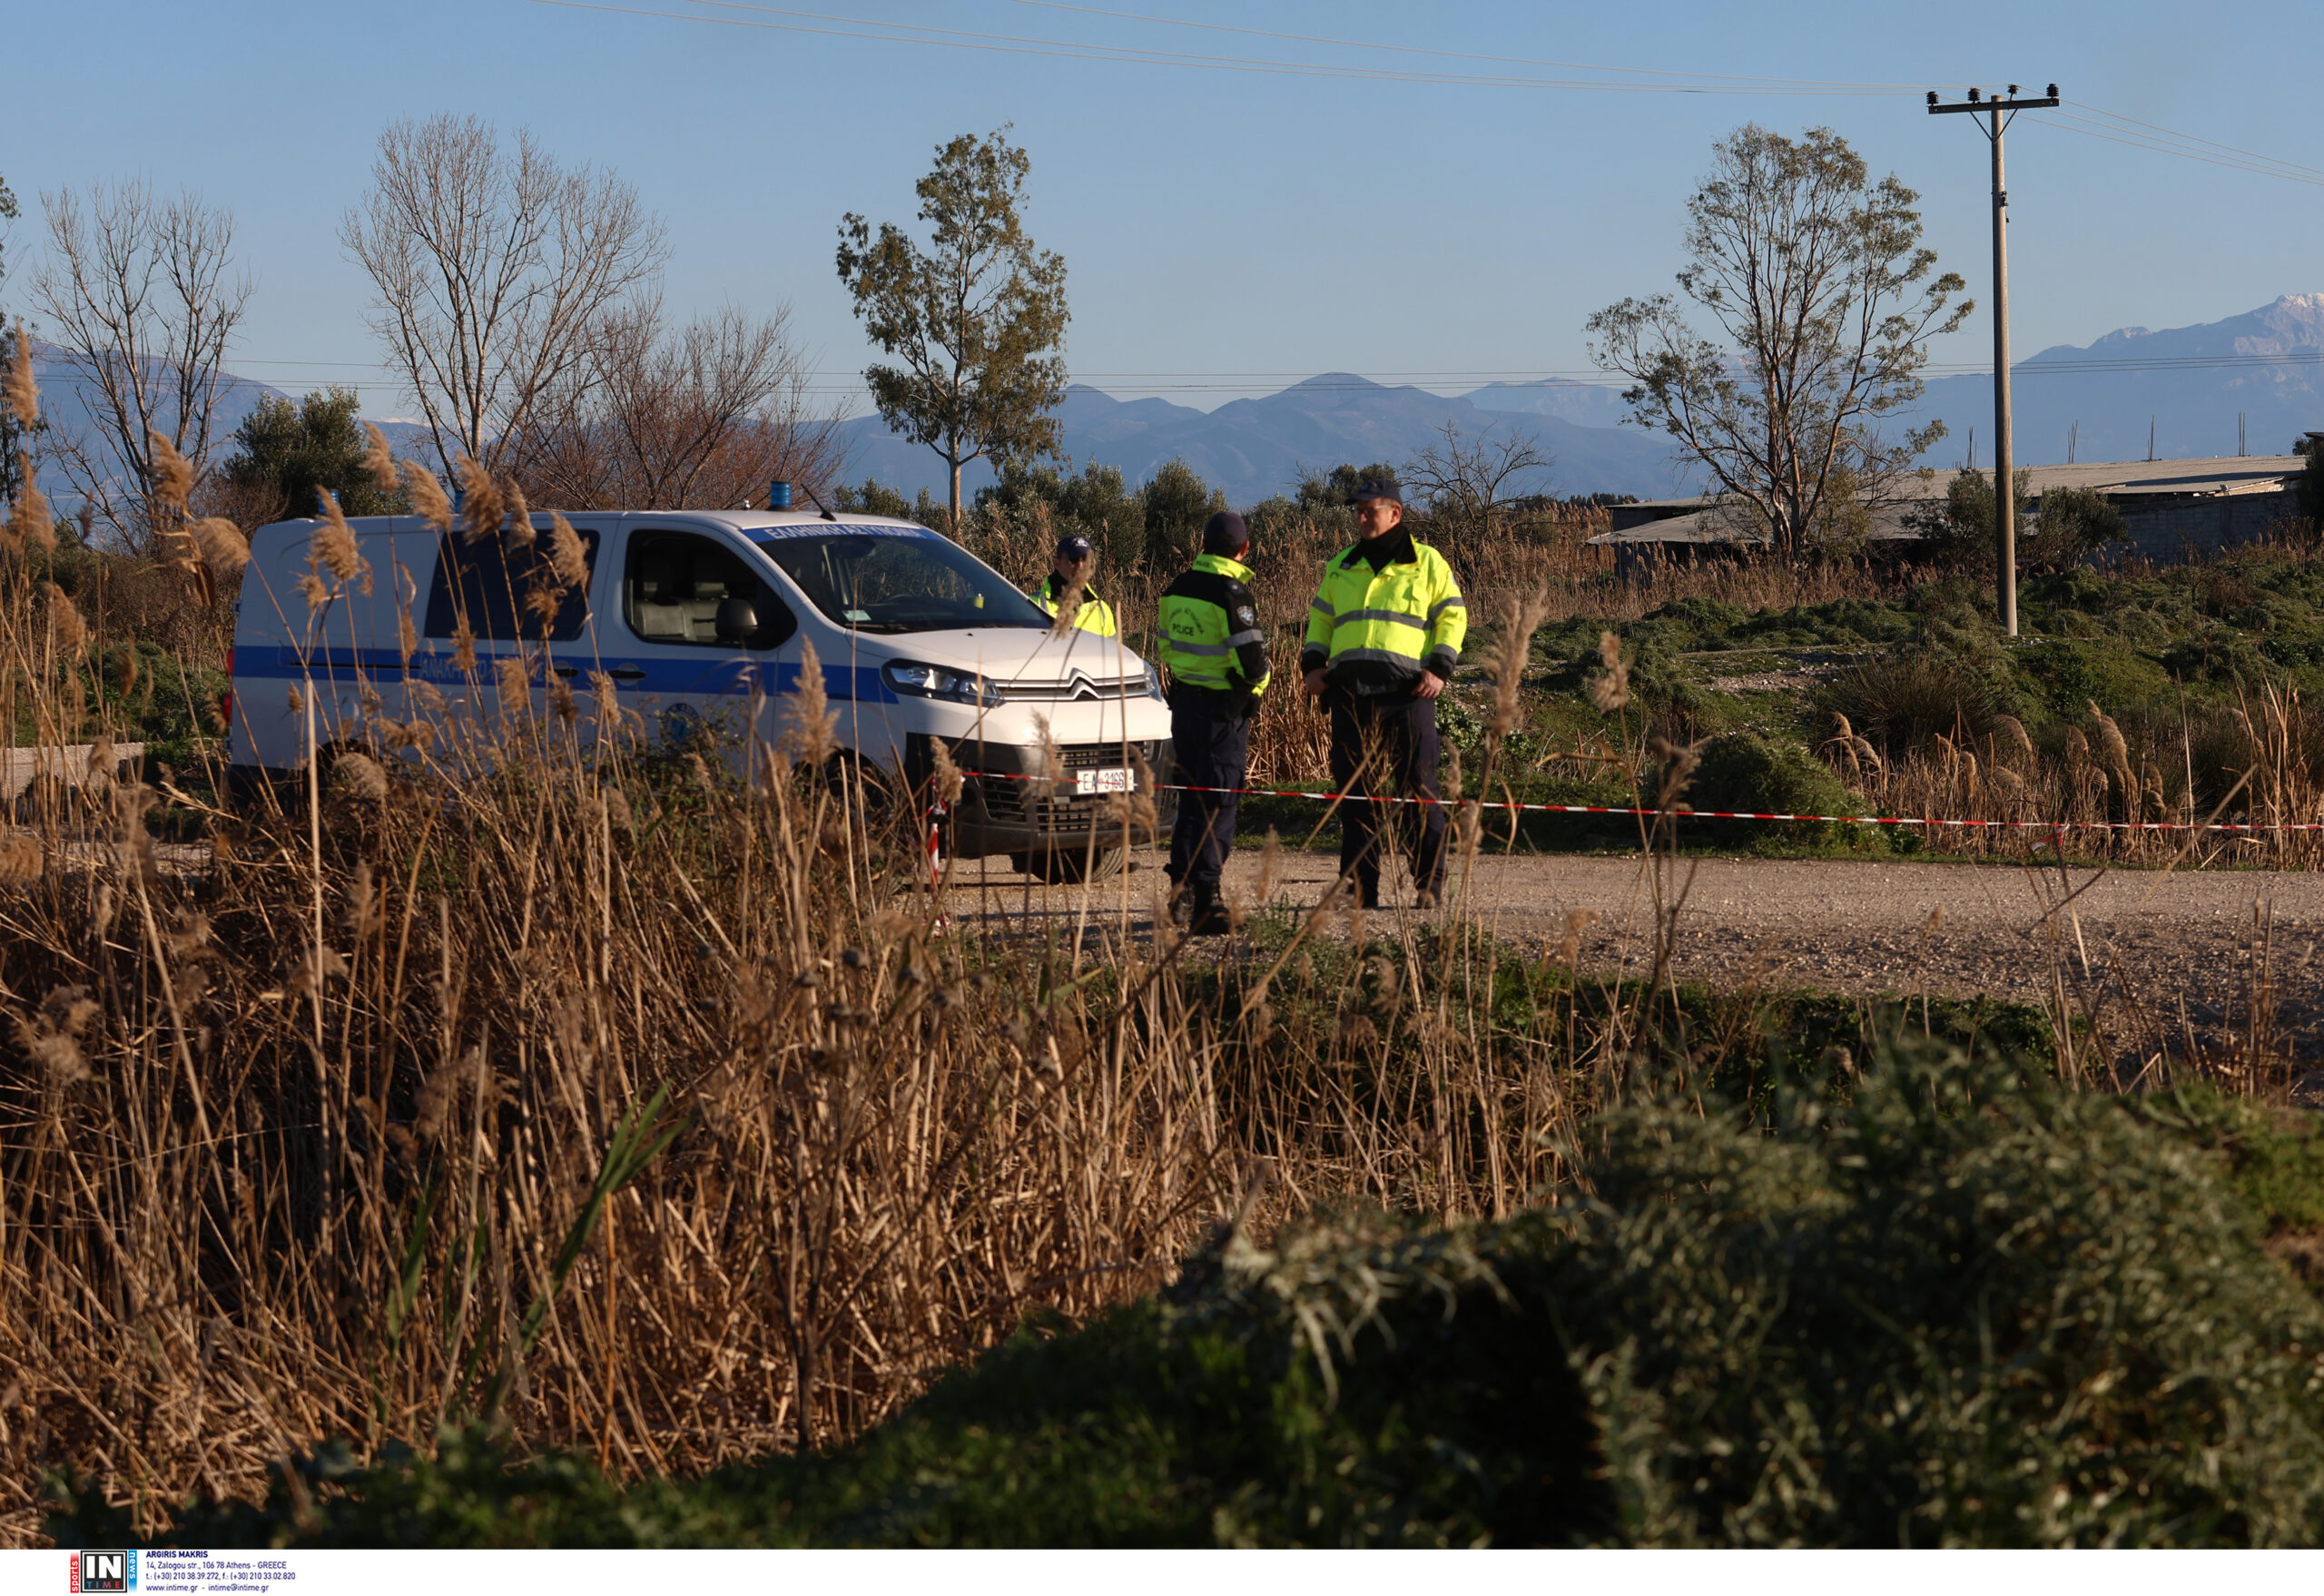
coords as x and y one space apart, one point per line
687 664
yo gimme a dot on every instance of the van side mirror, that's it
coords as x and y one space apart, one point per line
737 620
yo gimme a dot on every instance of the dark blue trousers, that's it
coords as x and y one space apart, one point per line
1210 742
1387 747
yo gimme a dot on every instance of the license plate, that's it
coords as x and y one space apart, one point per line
1104 781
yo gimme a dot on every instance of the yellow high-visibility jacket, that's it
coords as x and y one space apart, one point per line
1095 616
1375 627
1207 628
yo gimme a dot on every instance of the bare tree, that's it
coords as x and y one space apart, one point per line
141 299
493 267
1819 287
1467 481
702 415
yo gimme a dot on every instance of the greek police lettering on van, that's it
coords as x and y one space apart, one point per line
691 615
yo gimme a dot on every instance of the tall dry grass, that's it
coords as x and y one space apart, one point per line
2144 792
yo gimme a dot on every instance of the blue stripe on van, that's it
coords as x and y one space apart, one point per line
721 676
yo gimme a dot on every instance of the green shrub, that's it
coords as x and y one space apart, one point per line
1745 770
1960 1310
2068 524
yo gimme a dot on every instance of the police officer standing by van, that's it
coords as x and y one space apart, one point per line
1383 636
1074 561
1216 655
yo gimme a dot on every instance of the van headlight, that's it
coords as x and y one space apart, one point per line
914 679
1154 682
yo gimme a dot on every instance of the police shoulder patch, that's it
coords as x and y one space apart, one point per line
1245 614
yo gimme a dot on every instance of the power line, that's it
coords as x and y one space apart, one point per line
2066 122
1455 55
2231 149
1074 50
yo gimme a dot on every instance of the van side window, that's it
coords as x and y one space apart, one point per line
492 585
674 581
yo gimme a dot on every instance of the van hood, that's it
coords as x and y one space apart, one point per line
1019 660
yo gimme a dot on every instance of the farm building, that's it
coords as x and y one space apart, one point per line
2172 509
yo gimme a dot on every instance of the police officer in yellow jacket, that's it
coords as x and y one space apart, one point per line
1073 562
1383 636
1211 643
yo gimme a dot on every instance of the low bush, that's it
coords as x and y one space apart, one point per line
1745 770
1900 702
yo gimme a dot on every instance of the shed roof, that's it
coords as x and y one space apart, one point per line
1697 520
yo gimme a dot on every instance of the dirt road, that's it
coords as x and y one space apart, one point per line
2183 951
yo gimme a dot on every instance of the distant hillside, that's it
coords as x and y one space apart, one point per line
69 403
1588 404
2188 382
1257 447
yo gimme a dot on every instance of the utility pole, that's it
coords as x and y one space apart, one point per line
2003 110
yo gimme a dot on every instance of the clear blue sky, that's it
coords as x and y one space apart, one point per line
1213 221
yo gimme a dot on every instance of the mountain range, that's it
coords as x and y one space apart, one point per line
2189 385
1252 447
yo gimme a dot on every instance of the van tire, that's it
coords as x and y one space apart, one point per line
1067 862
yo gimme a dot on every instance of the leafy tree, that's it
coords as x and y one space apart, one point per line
1958 529
1096 503
875 498
285 452
1820 287
976 320
2066 524
2310 485
1174 505
1335 488
2069 523
1271 517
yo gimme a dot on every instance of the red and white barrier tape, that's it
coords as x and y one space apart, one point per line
1853 820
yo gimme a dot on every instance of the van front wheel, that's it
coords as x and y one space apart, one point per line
1067 862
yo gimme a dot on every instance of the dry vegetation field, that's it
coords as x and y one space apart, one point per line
534 1077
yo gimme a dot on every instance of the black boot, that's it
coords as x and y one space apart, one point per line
1209 916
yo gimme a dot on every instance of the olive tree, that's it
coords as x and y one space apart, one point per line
1820 302
974 320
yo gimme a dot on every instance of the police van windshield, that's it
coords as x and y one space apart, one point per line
896 579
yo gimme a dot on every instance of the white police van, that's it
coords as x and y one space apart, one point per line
699 615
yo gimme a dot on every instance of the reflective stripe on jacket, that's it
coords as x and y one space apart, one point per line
1207 628
1374 631
1095 616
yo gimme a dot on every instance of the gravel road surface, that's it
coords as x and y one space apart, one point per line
2185 953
